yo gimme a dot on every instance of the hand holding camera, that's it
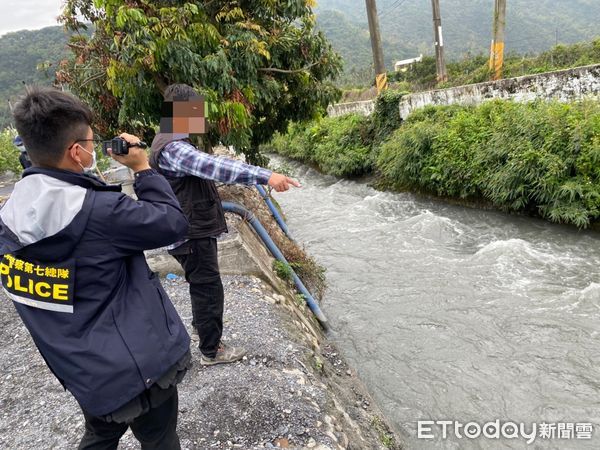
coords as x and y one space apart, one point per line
119 146
128 150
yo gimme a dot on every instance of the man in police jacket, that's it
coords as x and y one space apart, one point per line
73 264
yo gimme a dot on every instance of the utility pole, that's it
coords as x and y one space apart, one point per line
380 73
497 50
440 63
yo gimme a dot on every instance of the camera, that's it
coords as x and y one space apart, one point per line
119 146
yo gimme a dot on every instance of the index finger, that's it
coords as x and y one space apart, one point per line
294 182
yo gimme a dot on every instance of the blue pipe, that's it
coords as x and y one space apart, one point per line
260 230
274 211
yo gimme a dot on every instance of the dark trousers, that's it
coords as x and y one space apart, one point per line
156 429
199 260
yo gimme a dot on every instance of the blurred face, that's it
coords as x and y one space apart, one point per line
184 116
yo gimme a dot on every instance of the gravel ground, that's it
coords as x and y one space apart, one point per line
292 390
273 398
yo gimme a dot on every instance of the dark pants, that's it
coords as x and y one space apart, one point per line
156 429
199 260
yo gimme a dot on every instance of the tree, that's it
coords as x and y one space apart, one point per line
259 63
28 57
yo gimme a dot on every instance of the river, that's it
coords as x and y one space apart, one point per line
457 314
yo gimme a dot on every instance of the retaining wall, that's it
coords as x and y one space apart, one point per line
563 85
364 108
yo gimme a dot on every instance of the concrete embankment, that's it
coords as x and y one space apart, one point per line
293 390
564 85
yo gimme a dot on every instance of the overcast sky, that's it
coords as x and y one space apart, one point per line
28 14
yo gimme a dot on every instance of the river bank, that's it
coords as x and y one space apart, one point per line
278 396
292 390
537 158
453 313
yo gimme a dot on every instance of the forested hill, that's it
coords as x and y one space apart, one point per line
532 26
21 54
407 27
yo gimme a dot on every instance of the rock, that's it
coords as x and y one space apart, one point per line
332 436
282 443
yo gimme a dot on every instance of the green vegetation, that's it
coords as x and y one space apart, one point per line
385 435
300 300
282 270
422 75
342 146
339 146
9 155
532 26
535 158
353 42
259 64
538 158
318 363
34 56
386 116
28 57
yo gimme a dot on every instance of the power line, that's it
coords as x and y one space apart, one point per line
392 6
562 31
396 5
522 43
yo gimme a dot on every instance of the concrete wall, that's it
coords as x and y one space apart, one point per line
564 85
364 108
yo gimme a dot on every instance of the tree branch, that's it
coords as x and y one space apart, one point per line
92 78
273 69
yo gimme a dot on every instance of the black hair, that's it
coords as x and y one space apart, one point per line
49 121
179 92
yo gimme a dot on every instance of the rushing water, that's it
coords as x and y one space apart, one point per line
451 313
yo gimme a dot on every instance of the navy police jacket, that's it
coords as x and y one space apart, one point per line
73 264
